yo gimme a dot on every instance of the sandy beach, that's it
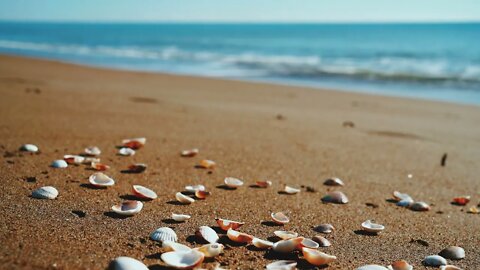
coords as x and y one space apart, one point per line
290 135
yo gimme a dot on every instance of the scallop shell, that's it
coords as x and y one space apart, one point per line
207 164
284 235
189 153
263 184
174 246
282 265
316 257
143 192
291 190
453 253
183 198
420 206
59 163
325 228
211 250
92 151
322 241
286 246
127 263
128 208
202 194
232 182
262 244
47 192
29 148
335 197
400 265
135 143
226 224
372 227
207 234
124 151
99 166
101 180
193 189
73 159
371 267
164 234
137 167
183 259
239 237
280 218
180 217
434 260
333 182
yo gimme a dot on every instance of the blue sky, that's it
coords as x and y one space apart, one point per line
241 10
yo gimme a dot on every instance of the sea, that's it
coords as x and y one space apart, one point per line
438 61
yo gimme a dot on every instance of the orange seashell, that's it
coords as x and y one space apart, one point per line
462 200
226 224
137 168
264 184
207 164
239 237
189 153
135 143
99 166
202 194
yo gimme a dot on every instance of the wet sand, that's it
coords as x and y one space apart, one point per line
289 135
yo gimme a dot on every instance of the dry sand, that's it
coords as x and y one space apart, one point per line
290 135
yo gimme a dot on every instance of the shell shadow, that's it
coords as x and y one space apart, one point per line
134 198
255 186
172 221
193 239
271 223
273 255
391 201
218 230
273 239
254 248
114 215
154 256
284 193
158 267
363 232
225 187
173 202
90 186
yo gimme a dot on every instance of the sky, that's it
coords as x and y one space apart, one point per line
241 10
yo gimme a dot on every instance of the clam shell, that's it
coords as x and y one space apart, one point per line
450 267
47 192
262 244
233 182
143 192
372 227
335 197
462 200
208 234
434 260
211 250
128 208
92 151
174 246
284 235
207 164
183 259
74 159
286 246
101 180
322 241
316 257
164 234
180 217
99 166
193 189
282 265
333 182
89 160
405 202
124 151
183 198
135 143
325 228
189 153
226 224
127 263
239 237
420 206
29 148
59 163
398 196
201 194
280 218
400 265
137 167
291 190
308 243
263 184
371 267
453 253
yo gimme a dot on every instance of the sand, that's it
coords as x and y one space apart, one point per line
289 135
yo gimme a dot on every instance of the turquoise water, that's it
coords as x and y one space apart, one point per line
432 61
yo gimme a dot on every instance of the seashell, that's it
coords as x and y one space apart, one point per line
308 243
286 246
137 168
135 143
59 163
434 260
232 182
284 235
262 244
226 224
325 228
239 237
201 194
263 184
143 192
372 227
126 151
316 257
180 217
183 259
371 267
128 208
453 253
89 160
401 196
189 153
333 182
73 159
322 241
99 166
282 265
291 190
211 250
473 210
183 198
400 265
405 202
335 197
280 218
420 206
450 267
29 148
101 180
92 151
462 200
47 192
207 164
174 246
127 263
207 234
193 189
164 234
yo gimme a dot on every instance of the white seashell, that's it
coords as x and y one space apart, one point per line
434 260
92 151
89 160
226 224
124 151
211 250
183 198
322 241
128 208
143 192
59 163
420 206
189 153
308 243
164 234
371 267
264 184
372 227
183 259
325 228
239 237
29 148
400 265
453 253
286 246
335 197
262 244
180 217
207 234
74 159
405 202
46 192
134 143
316 257
127 263
450 267
284 235
280 218
282 265
232 182
101 180
401 196
207 164
174 246
333 182
193 189
291 190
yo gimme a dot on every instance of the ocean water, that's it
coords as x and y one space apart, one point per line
432 61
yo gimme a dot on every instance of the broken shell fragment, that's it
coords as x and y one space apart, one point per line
263 184
59 163
261 244
92 151
202 194
280 218
189 153
333 182
128 208
208 234
316 257
400 265
371 267
29 148
207 164
101 180
335 197
462 200
453 253
325 228
284 235
164 234
239 237
137 168
183 259
47 192
180 217
143 192
211 250
291 190
308 243
282 265
184 199
99 166
193 189
135 143
125 151
174 246
420 206
226 224
322 241
233 182
74 159
370 227
127 263
473 210
286 246
434 260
